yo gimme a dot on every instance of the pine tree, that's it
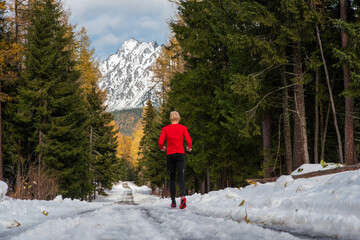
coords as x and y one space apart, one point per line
203 93
192 93
349 102
10 56
152 164
50 101
244 59
348 56
103 163
102 142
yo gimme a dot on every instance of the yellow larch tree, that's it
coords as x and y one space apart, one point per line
124 147
135 145
124 144
87 64
166 66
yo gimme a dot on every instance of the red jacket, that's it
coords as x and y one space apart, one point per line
174 135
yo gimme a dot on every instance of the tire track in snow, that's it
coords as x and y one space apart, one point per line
303 236
128 197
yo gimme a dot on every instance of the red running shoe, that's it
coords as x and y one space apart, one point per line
183 202
173 205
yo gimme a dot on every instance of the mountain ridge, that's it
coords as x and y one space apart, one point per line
127 75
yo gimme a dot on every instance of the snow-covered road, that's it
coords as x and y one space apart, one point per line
137 222
107 219
325 207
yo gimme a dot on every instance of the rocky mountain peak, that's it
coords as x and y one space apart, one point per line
127 76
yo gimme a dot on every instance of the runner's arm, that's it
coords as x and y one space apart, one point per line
188 140
162 140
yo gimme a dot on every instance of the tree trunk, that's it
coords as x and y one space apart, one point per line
317 80
203 187
349 126
349 102
297 150
267 144
323 137
287 128
322 127
196 185
40 163
208 181
228 173
330 96
223 177
301 142
316 137
19 167
94 191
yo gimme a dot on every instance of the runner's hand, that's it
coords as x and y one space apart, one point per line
163 149
188 149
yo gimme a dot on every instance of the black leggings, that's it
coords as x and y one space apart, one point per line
176 161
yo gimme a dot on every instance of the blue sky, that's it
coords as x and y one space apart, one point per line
111 22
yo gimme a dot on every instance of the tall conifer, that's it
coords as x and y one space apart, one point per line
103 161
152 162
103 144
50 101
10 57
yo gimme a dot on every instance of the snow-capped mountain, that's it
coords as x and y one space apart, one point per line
127 76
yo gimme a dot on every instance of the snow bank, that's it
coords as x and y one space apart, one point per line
326 206
116 194
3 190
306 168
58 198
24 214
139 190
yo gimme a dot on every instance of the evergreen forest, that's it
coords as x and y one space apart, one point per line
56 136
262 86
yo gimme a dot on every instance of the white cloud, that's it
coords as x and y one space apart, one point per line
103 24
139 7
108 39
111 22
149 24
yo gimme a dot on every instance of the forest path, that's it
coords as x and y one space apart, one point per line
117 217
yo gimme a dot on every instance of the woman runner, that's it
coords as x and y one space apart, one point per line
175 154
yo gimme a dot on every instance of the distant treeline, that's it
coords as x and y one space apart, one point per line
127 120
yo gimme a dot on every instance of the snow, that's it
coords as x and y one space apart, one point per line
320 207
325 206
130 45
3 189
127 77
306 168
